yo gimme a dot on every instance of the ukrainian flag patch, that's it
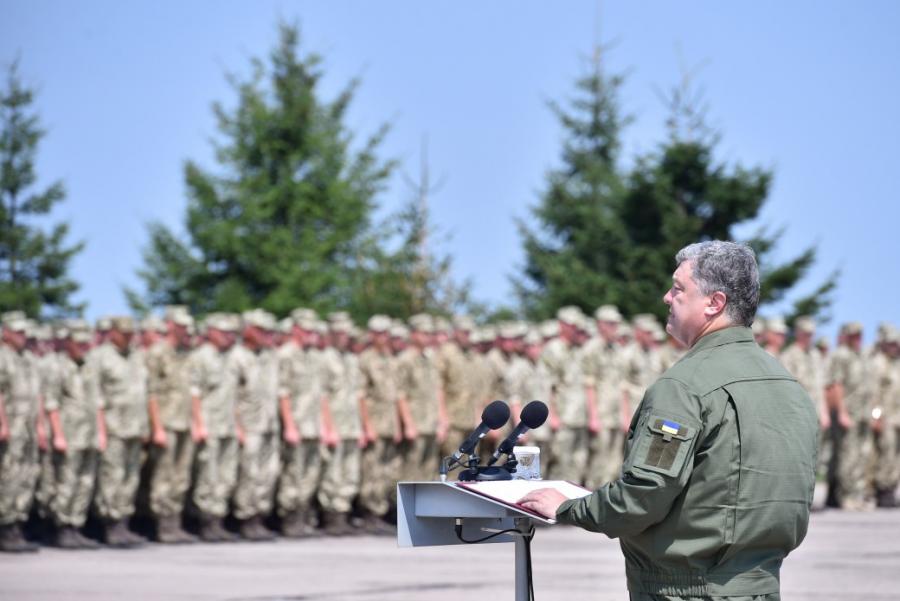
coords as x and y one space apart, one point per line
670 427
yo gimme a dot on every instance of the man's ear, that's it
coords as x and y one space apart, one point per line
715 304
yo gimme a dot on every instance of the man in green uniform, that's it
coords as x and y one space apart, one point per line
73 414
121 385
170 404
214 427
19 409
719 472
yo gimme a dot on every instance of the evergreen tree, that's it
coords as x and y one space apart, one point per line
287 217
610 236
572 258
34 263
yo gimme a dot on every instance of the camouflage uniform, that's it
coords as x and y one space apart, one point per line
169 383
380 461
121 385
214 382
603 370
48 371
809 369
530 381
458 394
341 472
257 404
74 471
886 399
570 449
853 446
300 377
20 389
419 380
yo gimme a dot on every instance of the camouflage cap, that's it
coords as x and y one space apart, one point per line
338 316
488 333
570 315
12 316
533 337
549 328
399 331
805 324
223 322
441 325
344 326
259 318
822 343
153 323
463 322
758 326
422 322
852 328
122 323
608 313
79 331
884 331
286 325
645 321
303 314
776 325
624 330
16 321
379 323
42 332
104 323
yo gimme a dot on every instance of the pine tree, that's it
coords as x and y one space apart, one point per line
607 235
286 217
34 262
572 257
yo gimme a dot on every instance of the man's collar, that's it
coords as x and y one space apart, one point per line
721 337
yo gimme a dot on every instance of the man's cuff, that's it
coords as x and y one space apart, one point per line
565 513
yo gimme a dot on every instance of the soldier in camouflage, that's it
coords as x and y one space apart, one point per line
120 379
19 410
73 415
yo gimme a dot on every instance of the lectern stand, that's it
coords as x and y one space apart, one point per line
427 513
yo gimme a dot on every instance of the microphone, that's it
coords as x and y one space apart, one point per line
493 417
533 416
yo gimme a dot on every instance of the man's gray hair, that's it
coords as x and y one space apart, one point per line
729 268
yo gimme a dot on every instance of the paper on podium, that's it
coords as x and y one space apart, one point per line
510 491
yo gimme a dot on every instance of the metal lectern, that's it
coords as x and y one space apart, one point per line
427 514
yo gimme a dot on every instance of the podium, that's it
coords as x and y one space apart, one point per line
428 512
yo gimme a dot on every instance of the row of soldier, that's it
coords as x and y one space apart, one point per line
315 421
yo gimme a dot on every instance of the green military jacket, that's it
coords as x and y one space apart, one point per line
718 476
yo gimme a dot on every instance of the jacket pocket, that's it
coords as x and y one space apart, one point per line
665 445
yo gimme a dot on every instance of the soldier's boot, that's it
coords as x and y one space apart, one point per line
253 529
136 538
296 525
169 531
84 541
885 498
67 538
12 540
373 524
212 530
116 535
336 524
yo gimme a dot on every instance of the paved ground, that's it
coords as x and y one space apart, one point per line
846 556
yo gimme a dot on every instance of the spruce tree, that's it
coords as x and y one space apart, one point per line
284 219
34 261
609 235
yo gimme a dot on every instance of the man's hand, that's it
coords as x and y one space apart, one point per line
159 437
102 440
825 421
59 443
844 420
199 433
291 436
594 426
4 430
410 432
544 501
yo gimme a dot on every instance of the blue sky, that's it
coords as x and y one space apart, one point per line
810 89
